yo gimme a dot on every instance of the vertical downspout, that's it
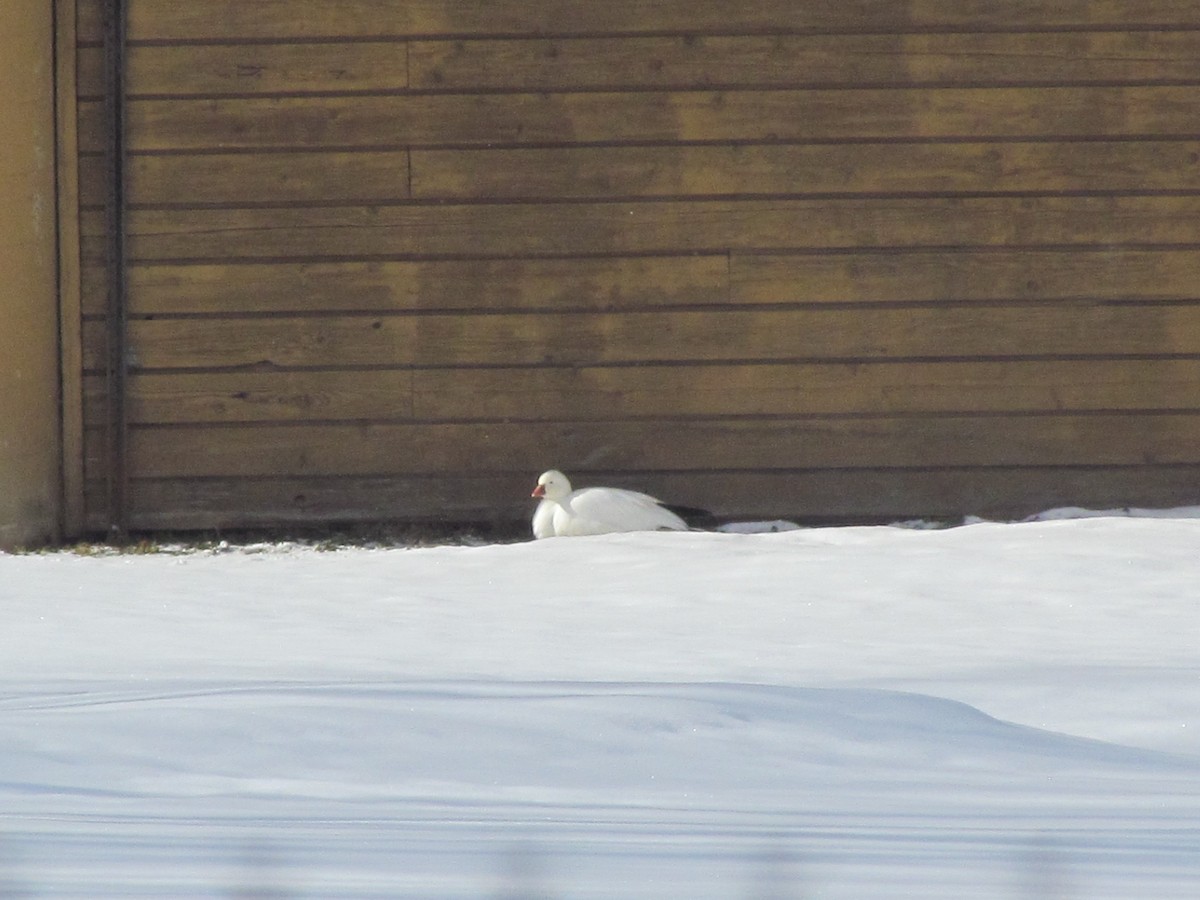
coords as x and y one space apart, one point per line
114 231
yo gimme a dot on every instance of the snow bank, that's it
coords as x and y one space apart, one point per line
996 710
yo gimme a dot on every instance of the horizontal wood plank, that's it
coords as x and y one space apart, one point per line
650 227
660 392
824 496
809 60
640 283
921 168
557 64
422 120
223 397
1101 274
596 284
693 445
247 69
240 178
189 179
580 339
228 19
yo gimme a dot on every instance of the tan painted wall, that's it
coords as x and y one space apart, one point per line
29 417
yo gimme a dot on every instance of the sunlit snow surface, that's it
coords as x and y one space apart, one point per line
989 711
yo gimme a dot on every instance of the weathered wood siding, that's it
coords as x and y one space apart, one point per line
838 260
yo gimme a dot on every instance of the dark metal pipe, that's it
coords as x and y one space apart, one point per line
114 233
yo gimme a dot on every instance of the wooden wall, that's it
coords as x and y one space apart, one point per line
29 399
849 260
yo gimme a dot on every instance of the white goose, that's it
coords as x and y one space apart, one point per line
596 510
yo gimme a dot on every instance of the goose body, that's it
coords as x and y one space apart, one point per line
564 512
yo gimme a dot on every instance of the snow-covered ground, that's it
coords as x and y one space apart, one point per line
988 711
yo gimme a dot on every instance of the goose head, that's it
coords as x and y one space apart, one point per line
552 485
